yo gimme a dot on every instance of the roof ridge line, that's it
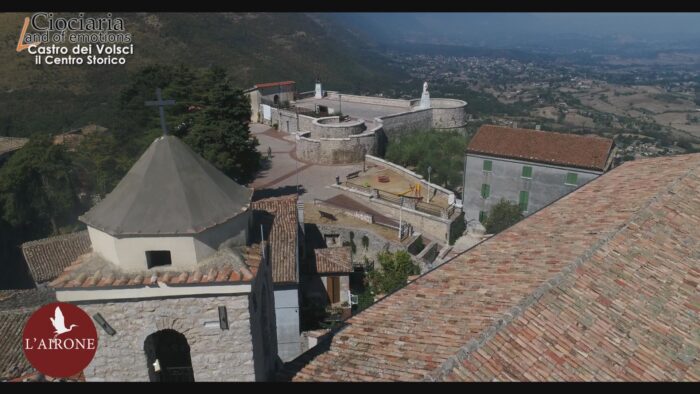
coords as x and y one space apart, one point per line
183 186
517 310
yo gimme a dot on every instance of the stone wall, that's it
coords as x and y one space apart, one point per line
287 121
376 243
331 127
216 354
351 98
360 215
246 351
448 113
305 122
394 125
423 222
335 150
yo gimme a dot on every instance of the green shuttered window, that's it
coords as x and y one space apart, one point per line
524 199
488 165
485 190
527 172
572 178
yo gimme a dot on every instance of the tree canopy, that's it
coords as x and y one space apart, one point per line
395 268
210 115
443 151
501 216
37 186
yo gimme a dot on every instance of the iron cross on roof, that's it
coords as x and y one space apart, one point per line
160 103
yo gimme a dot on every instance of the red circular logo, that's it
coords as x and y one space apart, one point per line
59 340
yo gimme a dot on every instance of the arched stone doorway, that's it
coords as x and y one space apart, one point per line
171 350
276 99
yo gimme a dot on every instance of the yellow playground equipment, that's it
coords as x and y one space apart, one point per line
415 189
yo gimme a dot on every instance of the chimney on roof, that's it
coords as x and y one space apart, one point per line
537 127
515 125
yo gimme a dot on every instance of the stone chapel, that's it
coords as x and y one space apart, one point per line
175 289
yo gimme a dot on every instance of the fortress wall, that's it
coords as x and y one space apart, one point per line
448 113
288 121
308 149
331 127
336 150
305 122
351 98
407 121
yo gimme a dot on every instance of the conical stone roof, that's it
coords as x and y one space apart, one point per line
169 191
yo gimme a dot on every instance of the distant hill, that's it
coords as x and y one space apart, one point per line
252 47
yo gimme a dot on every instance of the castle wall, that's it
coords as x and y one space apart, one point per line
351 98
336 150
394 125
331 127
448 113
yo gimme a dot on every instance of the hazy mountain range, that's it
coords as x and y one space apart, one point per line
555 31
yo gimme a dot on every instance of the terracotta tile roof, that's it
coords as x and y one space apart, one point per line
278 215
601 285
48 257
273 84
13 364
25 298
90 270
542 146
333 260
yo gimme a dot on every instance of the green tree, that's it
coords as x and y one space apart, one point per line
100 163
442 151
395 268
37 187
221 134
501 216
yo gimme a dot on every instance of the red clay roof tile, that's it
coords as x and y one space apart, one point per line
541 300
283 234
569 150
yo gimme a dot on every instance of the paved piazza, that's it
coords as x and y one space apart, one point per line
284 172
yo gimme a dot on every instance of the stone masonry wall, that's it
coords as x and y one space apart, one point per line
427 224
217 355
351 98
336 150
331 127
376 243
449 114
420 120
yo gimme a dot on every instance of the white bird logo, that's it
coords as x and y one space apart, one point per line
59 323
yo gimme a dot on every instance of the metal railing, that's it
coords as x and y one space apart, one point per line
363 189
